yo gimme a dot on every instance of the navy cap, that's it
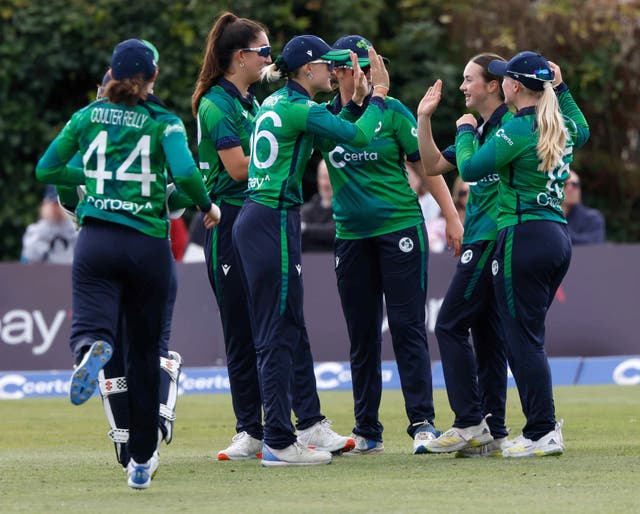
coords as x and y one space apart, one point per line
357 44
132 57
530 68
303 49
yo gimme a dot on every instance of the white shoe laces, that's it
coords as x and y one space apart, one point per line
239 436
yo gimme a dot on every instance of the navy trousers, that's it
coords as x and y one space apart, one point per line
268 244
117 367
393 265
120 271
225 277
475 375
530 262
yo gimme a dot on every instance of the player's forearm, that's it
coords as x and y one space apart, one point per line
429 152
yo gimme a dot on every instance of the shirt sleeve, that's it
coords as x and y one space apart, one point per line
52 167
574 118
495 153
406 131
449 154
323 123
183 168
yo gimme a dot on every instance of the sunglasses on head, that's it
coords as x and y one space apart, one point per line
365 69
262 51
322 61
541 74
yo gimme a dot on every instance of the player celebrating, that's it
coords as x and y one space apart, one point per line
123 257
382 249
267 231
532 153
237 50
476 376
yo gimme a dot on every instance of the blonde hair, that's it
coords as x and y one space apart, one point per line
271 73
552 135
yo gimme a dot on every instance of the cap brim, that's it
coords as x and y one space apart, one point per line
364 61
498 67
336 55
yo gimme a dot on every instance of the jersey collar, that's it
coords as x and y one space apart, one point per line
294 86
494 121
526 111
233 91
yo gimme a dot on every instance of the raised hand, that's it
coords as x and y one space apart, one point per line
360 83
430 100
379 74
557 79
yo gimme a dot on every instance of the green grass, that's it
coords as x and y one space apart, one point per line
56 457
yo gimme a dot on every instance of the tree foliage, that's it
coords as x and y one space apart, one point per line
53 54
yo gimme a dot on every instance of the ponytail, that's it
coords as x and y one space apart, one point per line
274 71
552 135
228 34
129 90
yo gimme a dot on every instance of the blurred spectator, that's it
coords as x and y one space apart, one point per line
460 194
430 208
53 237
317 224
586 226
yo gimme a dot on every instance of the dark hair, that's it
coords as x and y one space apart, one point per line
129 91
483 61
228 33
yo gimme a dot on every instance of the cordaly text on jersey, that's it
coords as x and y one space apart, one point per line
118 117
115 204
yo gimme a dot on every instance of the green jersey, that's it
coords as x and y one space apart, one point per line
125 151
371 192
481 216
288 126
525 193
225 120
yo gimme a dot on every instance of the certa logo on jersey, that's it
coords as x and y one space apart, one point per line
339 157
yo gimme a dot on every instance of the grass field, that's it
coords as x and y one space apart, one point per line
55 457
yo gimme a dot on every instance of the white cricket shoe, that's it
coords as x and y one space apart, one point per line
242 447
139 475
492 449
456 439
295 454
321 437
550 444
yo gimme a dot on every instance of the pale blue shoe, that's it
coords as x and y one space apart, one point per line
85 376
